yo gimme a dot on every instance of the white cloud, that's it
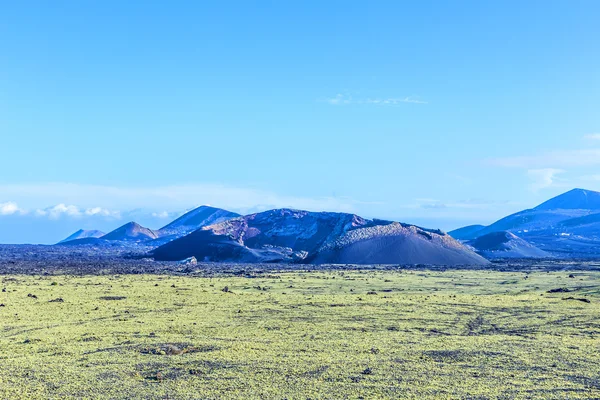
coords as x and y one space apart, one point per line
393 101
543 178
102 212
173 197
469 204
341 99
592 136
10 208
55 212
58 210
162 214
563 158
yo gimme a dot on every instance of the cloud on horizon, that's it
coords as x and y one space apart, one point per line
553 159
76 200
592 136
9 208
55 212
341 99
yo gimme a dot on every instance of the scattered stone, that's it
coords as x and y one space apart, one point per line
559 290
33 296
578 299
57 300
367 371
113 298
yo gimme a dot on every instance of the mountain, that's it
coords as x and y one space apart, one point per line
576 199
195 219
567 225
83 234
131 231
467 232
505 245
286 235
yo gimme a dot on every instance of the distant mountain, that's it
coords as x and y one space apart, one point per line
196 219
131 231
576 199
505 245
317 237
467 232
567 225
83 234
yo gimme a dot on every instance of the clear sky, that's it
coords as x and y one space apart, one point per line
442 113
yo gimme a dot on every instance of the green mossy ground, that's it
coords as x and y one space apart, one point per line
294 335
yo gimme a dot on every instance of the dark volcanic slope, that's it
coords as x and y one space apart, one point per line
196 219
84 234
506 245
131 231
396 243
292 235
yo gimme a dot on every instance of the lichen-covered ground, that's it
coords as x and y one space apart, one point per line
298 335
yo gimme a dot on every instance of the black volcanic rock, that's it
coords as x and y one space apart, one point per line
317 237
131 231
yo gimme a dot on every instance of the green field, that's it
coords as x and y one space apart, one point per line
301 335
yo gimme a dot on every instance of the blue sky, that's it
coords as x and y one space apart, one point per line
432 112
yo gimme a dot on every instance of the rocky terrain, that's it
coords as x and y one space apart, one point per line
87 260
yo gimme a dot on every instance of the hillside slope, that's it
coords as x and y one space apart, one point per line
131 231
300 236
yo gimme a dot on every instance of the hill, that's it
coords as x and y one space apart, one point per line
567 225
506 245
317 237
196 219
467 232
131 231
83 234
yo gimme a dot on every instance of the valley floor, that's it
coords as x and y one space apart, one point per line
297 335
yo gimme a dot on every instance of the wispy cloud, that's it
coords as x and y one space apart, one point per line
79 199
165 214
59 210
554 159
592 136
341 99
543 178
469 204
590 178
